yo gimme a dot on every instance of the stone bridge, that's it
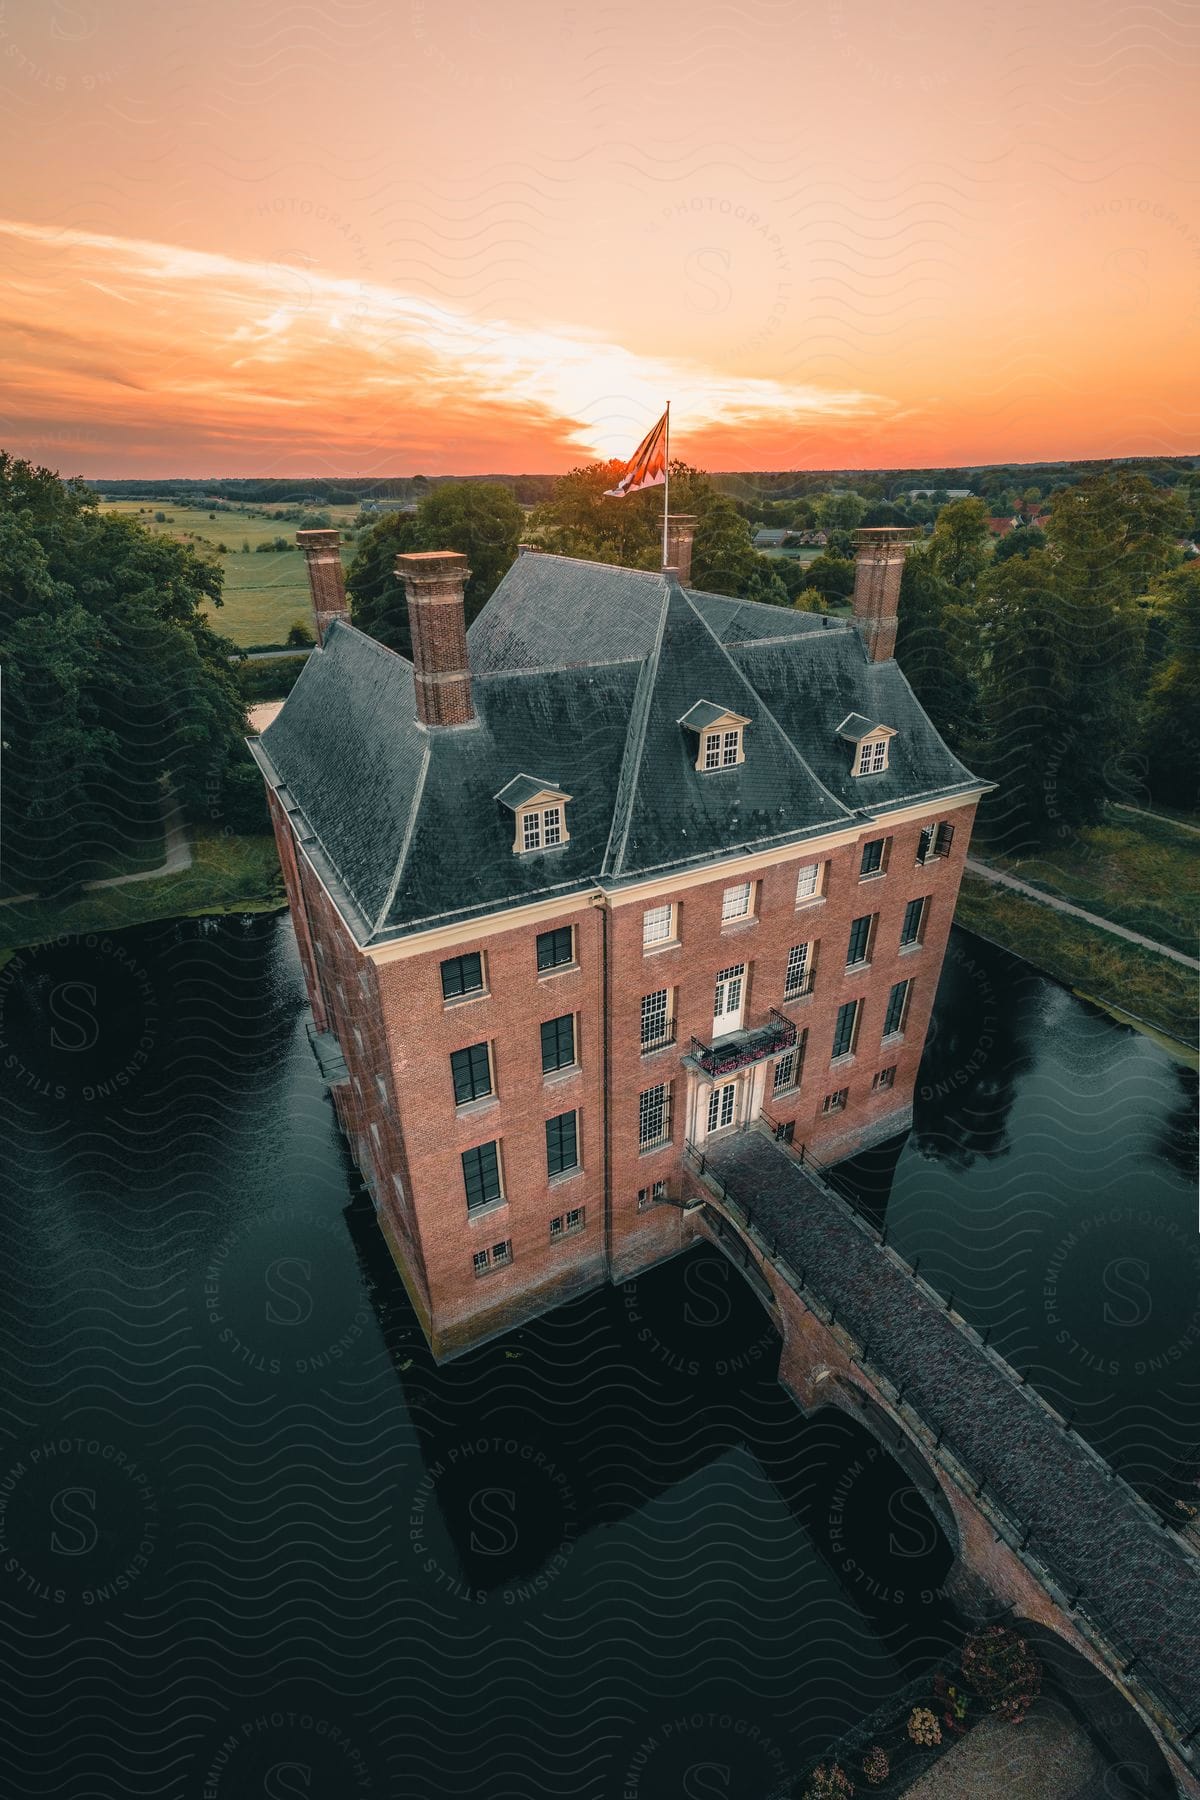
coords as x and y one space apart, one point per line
1040 1525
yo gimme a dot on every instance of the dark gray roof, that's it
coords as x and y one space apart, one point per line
521 788
407 826
702 714
854 728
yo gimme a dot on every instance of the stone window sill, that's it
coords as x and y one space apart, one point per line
487 1211
571 968
657 949
893 1037
468 1108
911 949
873 875
785 1093
649 1050
655 1147
554 1077
565 1175
810 900
846 1061
731 927
466 999
858 968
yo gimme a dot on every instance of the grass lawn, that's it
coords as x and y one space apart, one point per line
228 875
1103 968
265 592
1136 871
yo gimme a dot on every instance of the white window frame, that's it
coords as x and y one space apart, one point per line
712 750
810 883
732 907
656 1010
837 1101
541 824
654 1103
722 1106
652 918
872 753
798 976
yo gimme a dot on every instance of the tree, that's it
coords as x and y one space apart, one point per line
841 512
1172 722
830 576
479 518
958 548
723 559
114 678
936 646
377 599
1113 535
1020 543
1058 706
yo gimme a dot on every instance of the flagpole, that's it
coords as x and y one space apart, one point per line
666 481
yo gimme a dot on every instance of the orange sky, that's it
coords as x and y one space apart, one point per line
389 236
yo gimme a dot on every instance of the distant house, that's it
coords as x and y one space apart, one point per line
387 506
812 539
928 493
1001 527
771 539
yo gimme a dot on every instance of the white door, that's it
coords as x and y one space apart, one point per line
721 1105
729 1001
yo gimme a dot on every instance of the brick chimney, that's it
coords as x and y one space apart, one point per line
434 581
323 558
681 529
878 566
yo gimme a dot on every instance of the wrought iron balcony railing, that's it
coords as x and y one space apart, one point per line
660 1040
745 1047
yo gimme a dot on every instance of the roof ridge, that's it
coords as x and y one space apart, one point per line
610 862
339 625
414 809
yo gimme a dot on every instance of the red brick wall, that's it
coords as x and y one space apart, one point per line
422 1030
393 1024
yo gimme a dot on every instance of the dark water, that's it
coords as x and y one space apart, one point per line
253 1543
1049 1184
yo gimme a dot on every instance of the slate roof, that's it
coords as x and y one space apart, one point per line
586 670
522 788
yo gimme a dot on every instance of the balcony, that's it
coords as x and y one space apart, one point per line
660 1040
741 1048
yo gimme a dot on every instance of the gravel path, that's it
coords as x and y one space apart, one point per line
1133 1579
1047 1757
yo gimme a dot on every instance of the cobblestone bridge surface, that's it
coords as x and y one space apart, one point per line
1131 1578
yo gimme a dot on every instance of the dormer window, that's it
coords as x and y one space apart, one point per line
540 811
719 735
870 743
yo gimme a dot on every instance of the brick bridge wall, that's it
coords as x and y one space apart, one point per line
818 1367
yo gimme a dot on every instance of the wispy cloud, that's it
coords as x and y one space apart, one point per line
210 335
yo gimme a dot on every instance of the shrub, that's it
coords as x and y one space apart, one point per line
300 633
923 1727
953 1703
1002 1669
876 1765
830 1783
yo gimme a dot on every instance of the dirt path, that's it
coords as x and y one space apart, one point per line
175 840
1000 879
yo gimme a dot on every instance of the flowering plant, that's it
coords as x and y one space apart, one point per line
953 1703
830 1783
876 1766
1000 1666
923 1727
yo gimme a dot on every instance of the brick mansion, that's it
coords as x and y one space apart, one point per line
624 866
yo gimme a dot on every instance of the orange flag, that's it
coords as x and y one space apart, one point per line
647 467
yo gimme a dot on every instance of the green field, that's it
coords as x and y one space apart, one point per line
1137 871
266 592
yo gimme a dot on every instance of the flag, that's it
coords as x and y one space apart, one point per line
647 467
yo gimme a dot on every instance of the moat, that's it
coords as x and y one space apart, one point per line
249 1527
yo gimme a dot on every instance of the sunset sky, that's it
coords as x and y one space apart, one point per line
438 236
